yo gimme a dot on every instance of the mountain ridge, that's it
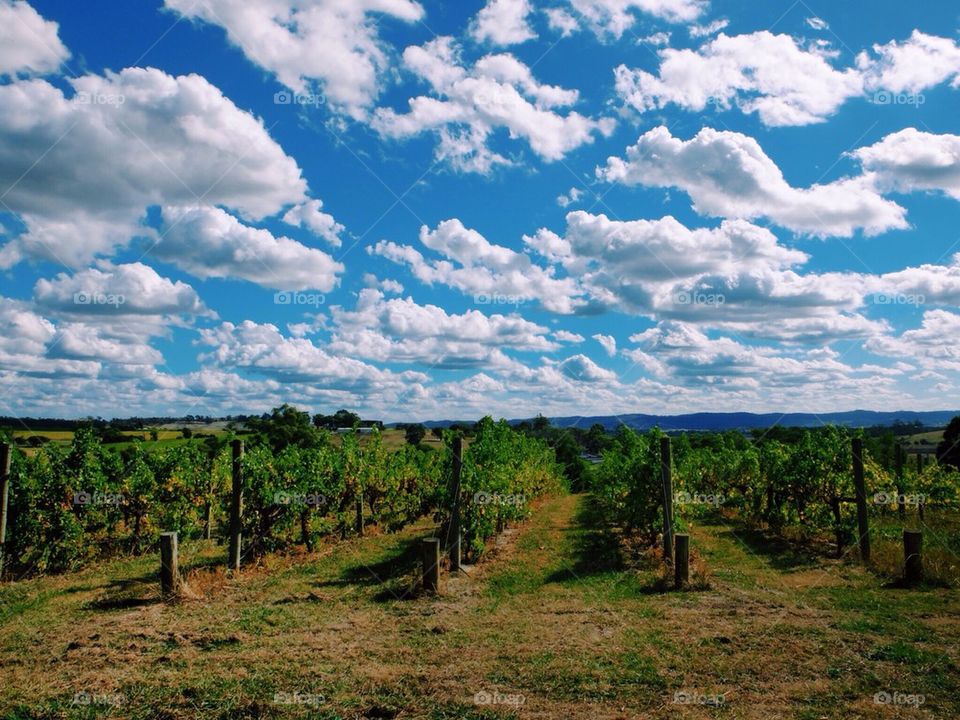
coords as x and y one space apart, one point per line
706 421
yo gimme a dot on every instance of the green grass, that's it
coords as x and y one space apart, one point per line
563 617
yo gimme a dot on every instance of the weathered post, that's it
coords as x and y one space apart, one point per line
430 550
207 519
4 499
919 473
359 521
667 477
169 565
912 556
898 472
681 560
454 531
863 526
236 506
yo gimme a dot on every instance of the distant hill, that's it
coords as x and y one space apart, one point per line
746 421
749 421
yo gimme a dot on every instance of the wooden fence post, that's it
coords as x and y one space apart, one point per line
912 556
430 550
863 526
236 506
666 475
169 565
359 521
898 472
454 531
681 560
920 472
4 499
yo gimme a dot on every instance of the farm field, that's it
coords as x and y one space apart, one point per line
558 621
923 442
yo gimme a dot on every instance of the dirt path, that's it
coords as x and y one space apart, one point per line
553 625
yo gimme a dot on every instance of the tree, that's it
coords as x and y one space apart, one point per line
414 433
284 426
597 439
948 451
340 419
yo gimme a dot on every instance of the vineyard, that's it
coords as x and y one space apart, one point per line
350 578
70 506
802 489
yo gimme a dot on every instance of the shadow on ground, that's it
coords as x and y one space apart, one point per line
596 546
778 553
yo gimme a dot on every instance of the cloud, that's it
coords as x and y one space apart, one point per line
503 22
658 39
474 266
561 21
81 341
608 342
911 160
308 215
922 285
86 340
736 276
210 243
684 354
568 337
786 81
83 170
918 63
29 44
570 197
389 286
262 349
400 330
580 368
470 104
712 28
22 330
131 289
334 44
760 72
817 23
612 18
933 345
727 174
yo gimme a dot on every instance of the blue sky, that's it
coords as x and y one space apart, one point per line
425 210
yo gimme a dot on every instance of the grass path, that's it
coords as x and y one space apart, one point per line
555 624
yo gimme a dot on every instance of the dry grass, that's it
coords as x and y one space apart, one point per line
560 621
